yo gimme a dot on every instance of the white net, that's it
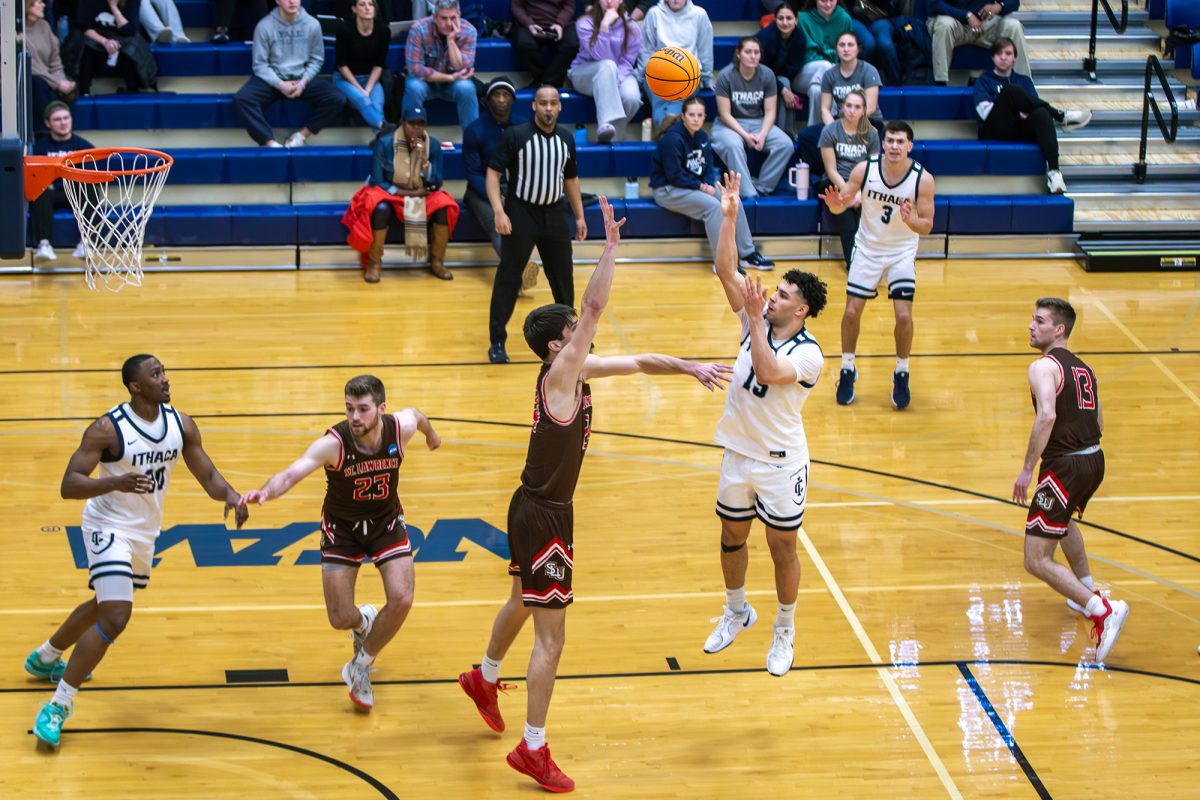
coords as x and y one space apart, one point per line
112 215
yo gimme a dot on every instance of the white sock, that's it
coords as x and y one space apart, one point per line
1095 606
901 364
847 360
1086 580
535 738
785 617
64 695
364 624
48 653
364 658
490 669
735 599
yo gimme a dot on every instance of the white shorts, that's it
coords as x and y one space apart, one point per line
868 266
774 493
117 563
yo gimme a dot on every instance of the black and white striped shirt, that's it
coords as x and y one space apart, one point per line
537 162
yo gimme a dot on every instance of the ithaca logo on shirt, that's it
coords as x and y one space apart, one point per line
695 162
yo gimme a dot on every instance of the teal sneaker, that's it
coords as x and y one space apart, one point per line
47 672
49 722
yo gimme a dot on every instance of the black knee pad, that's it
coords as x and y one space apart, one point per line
731 548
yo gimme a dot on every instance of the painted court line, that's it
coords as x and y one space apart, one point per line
1155 360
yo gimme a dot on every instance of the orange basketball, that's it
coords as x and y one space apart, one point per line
673 73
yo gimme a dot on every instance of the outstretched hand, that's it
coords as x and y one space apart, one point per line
612 227
752 297
258 496
712 375
731 188
833 199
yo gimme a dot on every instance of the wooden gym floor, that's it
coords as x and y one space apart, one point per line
927 663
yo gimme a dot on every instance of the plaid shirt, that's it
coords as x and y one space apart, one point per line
426 51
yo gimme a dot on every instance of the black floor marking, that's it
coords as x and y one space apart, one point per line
42 687
355 771
1004 732
672 664
256 676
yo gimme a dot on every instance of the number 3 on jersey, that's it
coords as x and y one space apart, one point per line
376 487
887 214
754 388
1084 393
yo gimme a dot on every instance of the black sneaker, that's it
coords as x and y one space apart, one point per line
497 354
757 260
900 394
220 36
845 387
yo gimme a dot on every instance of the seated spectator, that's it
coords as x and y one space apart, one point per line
223 15
609 43
110 36
440 60
480 140
640 8
404 194
60 140
902 43
161 23
361 57
544 40
288 54
861 29
47 81
1009 109
844 143
746 101
980 22
822 22
682 24
783 54
684 179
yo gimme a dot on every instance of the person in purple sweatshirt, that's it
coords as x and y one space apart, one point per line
609 44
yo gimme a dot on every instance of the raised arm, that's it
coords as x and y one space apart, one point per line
324 452
200 465
1042 374
711 375
412 420
839 201
77 480
727 254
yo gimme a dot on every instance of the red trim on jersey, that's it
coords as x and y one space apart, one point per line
1062 376
400 435
542 399
399 547
341 450
556 545
555 592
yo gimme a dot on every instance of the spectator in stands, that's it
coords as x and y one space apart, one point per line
480 140
609 43
844 143
110 36
1009 109
288 54
544 39
405 191
896 36
640 8
223 11
47 81
682 24
861 28
361 57
440 60
979 22
60 140
161 23
822 22
685 180
747 96
783 54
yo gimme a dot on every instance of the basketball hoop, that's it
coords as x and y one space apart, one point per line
112 191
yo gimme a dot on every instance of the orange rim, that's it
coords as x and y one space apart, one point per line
41 171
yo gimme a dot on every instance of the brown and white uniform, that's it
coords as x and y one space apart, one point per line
362 515
1072 464
541 515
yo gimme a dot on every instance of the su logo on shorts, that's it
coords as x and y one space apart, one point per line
556 571
1044 499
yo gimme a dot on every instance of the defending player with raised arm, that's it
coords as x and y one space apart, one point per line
897 209
764 470
135 446
361 516
1066 437
541 513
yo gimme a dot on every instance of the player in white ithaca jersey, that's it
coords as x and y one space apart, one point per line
897 208
136 446
764 472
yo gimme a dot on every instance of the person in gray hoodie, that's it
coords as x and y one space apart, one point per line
676 23
288 54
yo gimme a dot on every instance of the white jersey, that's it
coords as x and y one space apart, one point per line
764 422
152 448
881 230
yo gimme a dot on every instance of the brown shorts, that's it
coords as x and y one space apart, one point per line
541 539
348 542
1065 484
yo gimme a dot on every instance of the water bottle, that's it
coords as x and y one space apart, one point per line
798 177
580 135
631 188
112 59
647 129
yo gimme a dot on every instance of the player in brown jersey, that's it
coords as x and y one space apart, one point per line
540 516
361 517
1066 437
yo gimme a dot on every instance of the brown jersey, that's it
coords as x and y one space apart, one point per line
556 446
1076 406
364 486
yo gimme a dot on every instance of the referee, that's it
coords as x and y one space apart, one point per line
539 157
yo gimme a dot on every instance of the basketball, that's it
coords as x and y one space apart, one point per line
673 74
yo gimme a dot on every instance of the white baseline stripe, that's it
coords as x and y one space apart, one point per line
884 673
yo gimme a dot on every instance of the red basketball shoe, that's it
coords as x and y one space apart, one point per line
538 765
484 695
